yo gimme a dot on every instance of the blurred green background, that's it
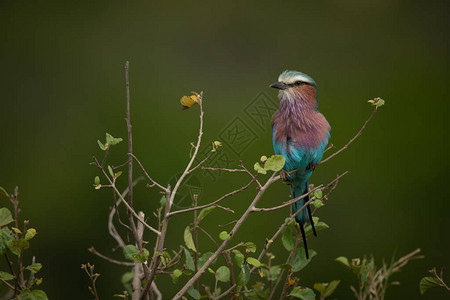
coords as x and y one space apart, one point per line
62 88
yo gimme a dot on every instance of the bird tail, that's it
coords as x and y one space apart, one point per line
300 188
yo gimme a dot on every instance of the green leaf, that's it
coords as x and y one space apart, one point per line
318 194
194 293
223 274
110 171
275 163
163 201
204 212
259 169
16 230
300 260
103 147
97 180
6 276
250 247
263 158
238 257
3 192
343 260
365 271
126 281
26 294
5 238
19 245
5 216
224 235
129 251
110 140
189 260
141 256
428 282
188 239
320 287
330 288
176 274
202 259
317 203
30 233
34 267
317 225
303 293
288 238
253 261
244 276
117 174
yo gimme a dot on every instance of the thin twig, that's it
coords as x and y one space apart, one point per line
351 141
146 174
117 262
212 203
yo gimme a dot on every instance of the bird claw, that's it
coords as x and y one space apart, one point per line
284 175
311 166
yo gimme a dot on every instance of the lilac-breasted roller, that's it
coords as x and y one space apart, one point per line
300 134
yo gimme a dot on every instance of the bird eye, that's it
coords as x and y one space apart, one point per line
298 82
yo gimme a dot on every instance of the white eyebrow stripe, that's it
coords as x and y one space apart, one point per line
290 80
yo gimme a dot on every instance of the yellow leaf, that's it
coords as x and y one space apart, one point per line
189 101
291 282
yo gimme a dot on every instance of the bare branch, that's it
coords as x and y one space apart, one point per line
351 141
117 262
146 174
212 203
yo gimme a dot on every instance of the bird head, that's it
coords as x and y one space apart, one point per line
294 85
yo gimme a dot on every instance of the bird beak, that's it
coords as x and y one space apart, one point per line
279 85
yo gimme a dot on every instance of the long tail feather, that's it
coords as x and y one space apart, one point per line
302 230
311 220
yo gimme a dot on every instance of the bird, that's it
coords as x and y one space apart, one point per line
300 134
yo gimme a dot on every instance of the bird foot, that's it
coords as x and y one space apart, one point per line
311 166
284 175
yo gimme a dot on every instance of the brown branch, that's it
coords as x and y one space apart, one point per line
202 162
236 227
214 202
146 174
117 262
351 141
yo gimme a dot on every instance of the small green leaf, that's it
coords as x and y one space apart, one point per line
317 203
97 180
163 201
330 288
317 225
176 274
211 271
303 293
318 194
188 239
20 244
288 238
141 256
428 282
250 247
224 235
110 140
6 276
343 260
202 259
26 294
253 261
238 257
204 212
223 274
5 238
117 174
103 147
320 287
189 260
244 276
3 192
16 230
34 267
5 216
263 159
126 281
300 260
129 251
110 171
30 233
259 169
194 293
275 163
